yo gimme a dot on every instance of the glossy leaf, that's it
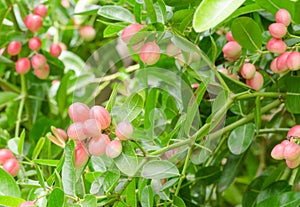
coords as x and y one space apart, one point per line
89 200
293 94
38 148
68 170
147 197
8 185
157 169
131 193
7 97
127 164
56 198
116 13
10 201
286 199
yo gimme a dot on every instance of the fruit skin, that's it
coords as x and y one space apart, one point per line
113 149
281 62
101 115
124 130
97 145
293 164
41 10
256 82
42 73
293 61
129 31
276 46
27 203
62 134
150 53
91 128
5 155
38 61
172 50
23 66
88 33
229 36
232 50
273 65
283 16
277 30
291 151
11 166
55 50
277 152
14 48
294 131
79 112
33 22
81 156
76 131
35 43
248 70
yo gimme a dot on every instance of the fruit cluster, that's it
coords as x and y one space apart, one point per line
289 149
34 23
9 163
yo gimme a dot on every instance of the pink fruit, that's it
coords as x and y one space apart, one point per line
92 128
124 130
232 50
79 112
14 48
172 50
277 152
101 115
33 22
293 61
234 76
23 65
55 50
229 36
76 131
150 53
113 149
38 61
11 166
277 30
256 82
273 65
276 46
27 203
62 134
294 131
81 156
293 164
283 16
291 151
129 31
248 70
41 10
88 33
97 145
35 43
42 73
281 62
5 155
223 70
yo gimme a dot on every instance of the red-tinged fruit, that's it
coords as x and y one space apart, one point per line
101 115
11 166
92 128
42 73
256 82
79 112
232 50
38 61
76 131
88 33
291 151
273 65
124 130
97 145
281 62
27 204
283 16
129 31
223 70
55 50
294 131
150 53
113 149
293 61
23 66
248 70
81 156
35 43
41 10
277 152
229 36
276 46
277 30
14 48
5 155
33 22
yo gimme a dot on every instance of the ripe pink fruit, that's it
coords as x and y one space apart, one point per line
81 156
232 50
79 112
113 149
35 43
276 46
229 36
256 82
223 70
33 22
248 70
293 61
124 130
291 151
150 53
23 65
5 155
129 31
281 62
92 128
101 115
11 166
277 30
14 48
97 145
76 131
27 203
41 10
293 164
273 65
277 152
55 50
283 16
294 131
42 73
38 61
172 50
88 33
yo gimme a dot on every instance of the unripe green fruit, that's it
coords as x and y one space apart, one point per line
113 149
124 130
81 156
11 166
150 53
97 145
5 154
256 82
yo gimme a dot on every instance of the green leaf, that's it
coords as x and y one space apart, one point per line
10 201
8 185
210 13
127 164
241 138
287 199
112 30
274 5
247 33
147 197
46 162
68 170
40 176
179 3
56 198
89 200
208 175
275 188
116 13
131 193
7 97
150 11
159 169
5 60
178 202
21 142
246 10
38 148
293 94
62 93
111 178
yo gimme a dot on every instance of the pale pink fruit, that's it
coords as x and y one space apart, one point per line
291 151
276 46
35 43
5 154
92 128
61 133
79 112
294 131
33 22
41 10
277 30
23 66
293 164
101 115
124 130
283 16
97 145
293 61
88 33
129 31
256 82
38 61
14 48
277 152
81 156
273 65
281 62
223 70
229 36
150 53
172 50
11 166
232 51
76 131
27 204
113 149
42 73
55 50
248 70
